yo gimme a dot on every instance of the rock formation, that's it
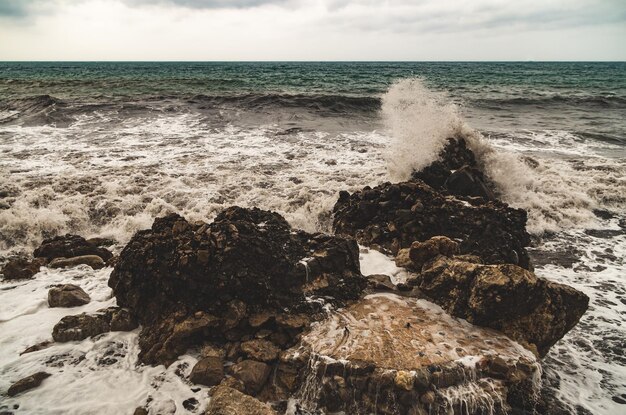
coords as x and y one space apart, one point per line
245 272
22 268
69 246
82 326
27 383
390 217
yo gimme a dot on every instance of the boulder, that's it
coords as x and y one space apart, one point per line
252 374
208 371
27 383
36 347
69 246
456 172
94 261
391 217
190 283
229 401
21 268
82 326
67 295
401 355
421 252
534 311
260 349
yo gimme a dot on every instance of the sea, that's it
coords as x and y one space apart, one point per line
103 148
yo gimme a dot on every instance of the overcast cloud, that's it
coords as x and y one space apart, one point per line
312 30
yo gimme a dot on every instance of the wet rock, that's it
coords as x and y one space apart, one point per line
190 283
100 242
391 217
69 246
380 282
229 401
27 383
94 261
534 311
367 359
67 295
456 172
422 252
36 347
208 371
252 374
21 268
82 326
140 410
260 349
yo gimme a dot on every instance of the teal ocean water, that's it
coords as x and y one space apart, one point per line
101 149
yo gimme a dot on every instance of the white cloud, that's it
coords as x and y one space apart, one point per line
313 30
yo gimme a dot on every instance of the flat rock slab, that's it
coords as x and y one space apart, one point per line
401 333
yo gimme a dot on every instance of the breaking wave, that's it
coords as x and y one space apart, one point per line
558 193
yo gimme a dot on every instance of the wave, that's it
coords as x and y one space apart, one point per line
604 101
552 191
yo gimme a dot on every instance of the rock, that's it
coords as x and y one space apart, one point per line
380 282
82 326
39 346
69 246
422 252
260 349
534 311
229 401
208 371
27 383
140 410
21 268
248 262
100 242
391 217
94 261
468 181
253 374
456 172
401 355
67 295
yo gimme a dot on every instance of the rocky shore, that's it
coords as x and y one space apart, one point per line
284 321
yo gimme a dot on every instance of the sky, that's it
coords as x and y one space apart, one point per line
421 30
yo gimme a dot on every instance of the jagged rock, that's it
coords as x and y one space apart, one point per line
421 252
456 172
21 268
39 346
94 261
390 217
401 355
534 311
189 283
253 374
67 295
82 326
140 410
69 246
100 242
27 383
380 282
208 371
260 349
229 401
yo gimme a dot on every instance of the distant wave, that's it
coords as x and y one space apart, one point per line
323 103
608 101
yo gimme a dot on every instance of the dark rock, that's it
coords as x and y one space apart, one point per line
534 311
208 371
189 283
69 246
260 349
21 268
100 242
82 326
94 261
422 252
253 374
68 295
27 383
191 404
456 172
37 347
380 282
229 401
140 410
390 217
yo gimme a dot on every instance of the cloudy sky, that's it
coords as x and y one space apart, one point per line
312 30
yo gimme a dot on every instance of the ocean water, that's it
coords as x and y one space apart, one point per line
101 149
